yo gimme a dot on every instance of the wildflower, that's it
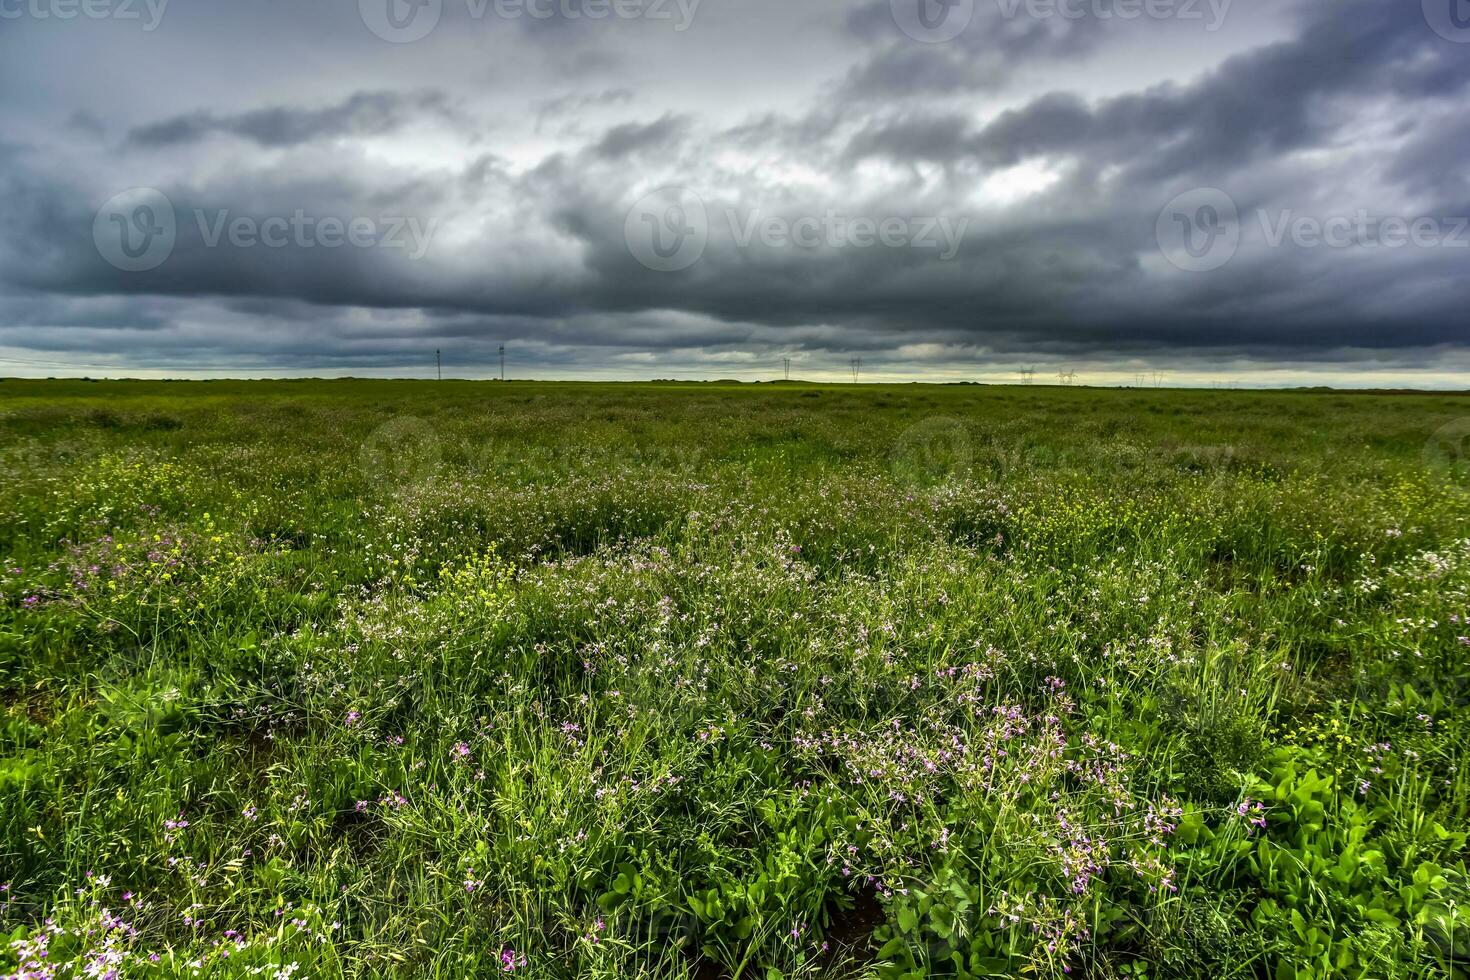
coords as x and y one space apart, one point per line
1254 811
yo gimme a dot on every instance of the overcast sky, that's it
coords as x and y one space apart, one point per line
1264 191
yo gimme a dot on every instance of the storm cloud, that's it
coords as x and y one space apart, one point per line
1264 190
360 115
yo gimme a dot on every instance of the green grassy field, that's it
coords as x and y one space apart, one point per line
457 679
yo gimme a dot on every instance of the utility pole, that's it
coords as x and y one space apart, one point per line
502 362
438 365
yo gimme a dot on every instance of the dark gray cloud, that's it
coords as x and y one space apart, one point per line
1282 98
361 114
495 167
574 104
631 139
985 56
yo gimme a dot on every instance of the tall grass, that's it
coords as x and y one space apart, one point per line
369 679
